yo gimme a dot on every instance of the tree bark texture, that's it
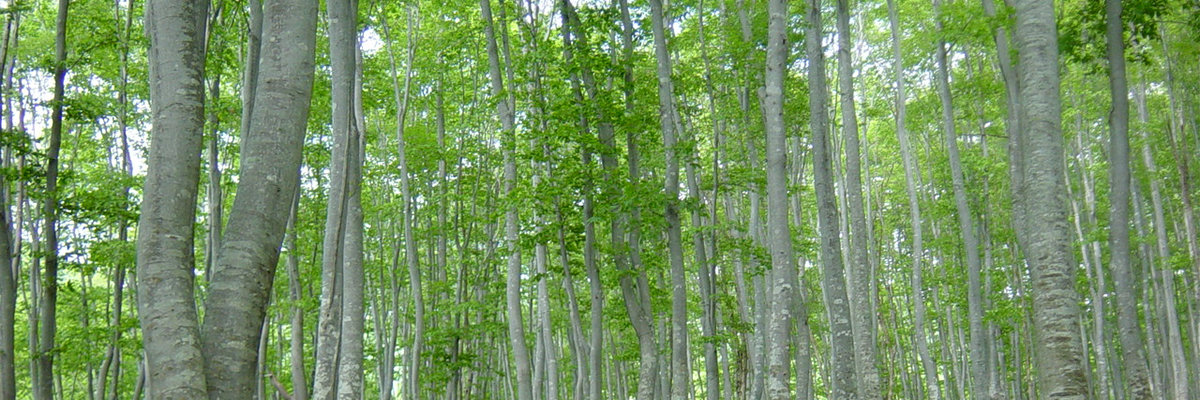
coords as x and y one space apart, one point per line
1047 245
843 374
165 260
243 275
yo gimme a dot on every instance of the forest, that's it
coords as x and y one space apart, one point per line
599 199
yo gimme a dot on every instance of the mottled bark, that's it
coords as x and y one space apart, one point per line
1047 240
783 271
671 128
43 385
165 260
844 377
859 272
243 275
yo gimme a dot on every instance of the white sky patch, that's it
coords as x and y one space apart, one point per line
369 41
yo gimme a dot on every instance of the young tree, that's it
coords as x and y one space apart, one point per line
1133 358
844 376
783 270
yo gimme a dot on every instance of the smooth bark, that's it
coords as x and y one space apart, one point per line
1133 356
979 363
844 377
859 272
783 270
165 260
243 275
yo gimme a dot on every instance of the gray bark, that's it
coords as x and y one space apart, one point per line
979 363
783 271
911 174
516 327
334 312
635 288
298 371
166 303
410 243
8 270
844 376
669 123
8 303
1174 340
243 275
1047 240
1133 357
859 273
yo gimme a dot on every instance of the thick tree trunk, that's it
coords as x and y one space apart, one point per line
242 277
844 381
1047 239
166 303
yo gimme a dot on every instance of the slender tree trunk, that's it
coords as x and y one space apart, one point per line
48 318
844 378
8 301
669 123
8 269
859 272
410 243
635 288
166 302
1133 357
1047 244
783 270
911 174
516 327
295 294
980 376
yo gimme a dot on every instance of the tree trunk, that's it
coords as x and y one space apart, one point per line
48 318
271 155
669 123
516 327
295 294
1133 357
1047 243
980 376
410 243
911 174
859 273
783 270
166 303
844 378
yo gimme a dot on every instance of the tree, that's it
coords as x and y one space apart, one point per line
166 303
783 270
1130 331
844 377
1046 236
